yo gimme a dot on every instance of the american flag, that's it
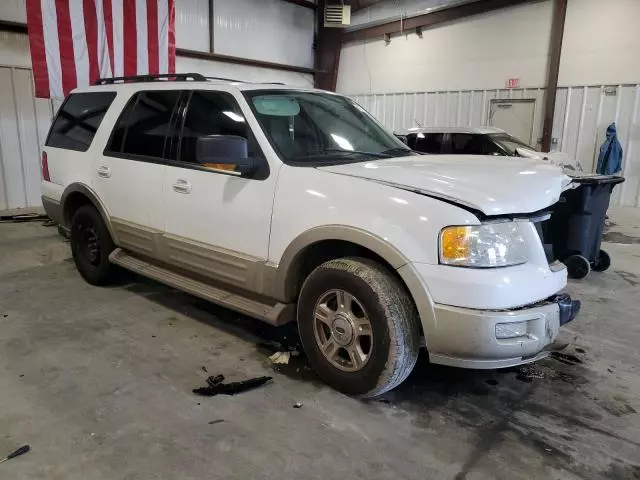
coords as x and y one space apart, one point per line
75 42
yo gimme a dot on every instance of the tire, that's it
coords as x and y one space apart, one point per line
383 353
91 245
603 262
577 266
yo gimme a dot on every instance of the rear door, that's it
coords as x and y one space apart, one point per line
129 173
426 142
474 144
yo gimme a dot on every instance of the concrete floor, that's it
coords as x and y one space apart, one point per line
99 380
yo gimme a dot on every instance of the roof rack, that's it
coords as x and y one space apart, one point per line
224 79
176 77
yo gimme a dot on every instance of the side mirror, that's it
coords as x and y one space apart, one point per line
225 153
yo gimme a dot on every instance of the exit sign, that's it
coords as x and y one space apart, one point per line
513 83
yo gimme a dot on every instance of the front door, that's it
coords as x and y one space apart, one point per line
515 117
217 224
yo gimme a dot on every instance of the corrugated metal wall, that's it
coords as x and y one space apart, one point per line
581 118
24 122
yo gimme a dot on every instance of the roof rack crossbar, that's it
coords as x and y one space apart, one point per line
177 77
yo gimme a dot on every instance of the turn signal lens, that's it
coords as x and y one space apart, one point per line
454 243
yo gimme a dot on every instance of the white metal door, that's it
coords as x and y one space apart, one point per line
515 117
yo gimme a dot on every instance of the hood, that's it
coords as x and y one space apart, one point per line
492 185
554 156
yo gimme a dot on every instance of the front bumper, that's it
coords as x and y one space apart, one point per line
467 337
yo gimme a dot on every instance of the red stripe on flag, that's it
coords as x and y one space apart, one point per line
65 38
36 44
130 40
91 32
172 36
108 25
152 36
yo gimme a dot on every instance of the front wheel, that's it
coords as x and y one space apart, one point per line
358 326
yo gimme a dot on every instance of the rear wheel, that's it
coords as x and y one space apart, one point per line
577 266
91 245
603 262
358 326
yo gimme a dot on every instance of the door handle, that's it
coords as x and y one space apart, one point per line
182 186
104 172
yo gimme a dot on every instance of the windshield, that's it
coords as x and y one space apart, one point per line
316 128
509 143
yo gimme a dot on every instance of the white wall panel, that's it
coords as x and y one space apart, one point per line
601 43
242 72
14 49
582 116
480 52
192 24
24 122
600 47
13 10
269 30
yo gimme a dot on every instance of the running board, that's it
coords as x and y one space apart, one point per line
276 315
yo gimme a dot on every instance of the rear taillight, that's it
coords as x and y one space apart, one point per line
45 167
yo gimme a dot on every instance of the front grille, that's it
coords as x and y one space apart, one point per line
542 229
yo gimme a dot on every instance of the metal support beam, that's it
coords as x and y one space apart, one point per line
302 3
427 20
13 27
327 55
217 57
211 23
555 50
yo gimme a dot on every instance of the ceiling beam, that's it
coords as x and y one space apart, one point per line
302 3
555 50
360 4
218 57
431 19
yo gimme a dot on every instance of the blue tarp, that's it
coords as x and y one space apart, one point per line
610 158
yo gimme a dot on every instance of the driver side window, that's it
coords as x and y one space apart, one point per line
213 113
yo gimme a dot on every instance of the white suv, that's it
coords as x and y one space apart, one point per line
291 204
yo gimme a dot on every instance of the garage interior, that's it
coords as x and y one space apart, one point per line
98 381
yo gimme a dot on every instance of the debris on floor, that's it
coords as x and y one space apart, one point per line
216 387
526 373
17 453
215 422
23 217
280 358
298 405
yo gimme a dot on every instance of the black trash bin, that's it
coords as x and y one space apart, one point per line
576 225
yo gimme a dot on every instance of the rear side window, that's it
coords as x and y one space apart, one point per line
145 123
425 142
78 120
473 144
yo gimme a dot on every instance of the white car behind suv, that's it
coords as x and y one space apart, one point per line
291 204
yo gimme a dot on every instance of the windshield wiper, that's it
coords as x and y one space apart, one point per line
395 150
354 152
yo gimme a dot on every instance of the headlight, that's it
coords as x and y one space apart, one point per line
483 246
